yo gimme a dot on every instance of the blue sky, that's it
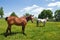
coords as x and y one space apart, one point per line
34 7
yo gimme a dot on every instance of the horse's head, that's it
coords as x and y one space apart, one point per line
31 18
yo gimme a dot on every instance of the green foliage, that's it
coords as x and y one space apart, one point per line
57 15
1 12
45 13
13 14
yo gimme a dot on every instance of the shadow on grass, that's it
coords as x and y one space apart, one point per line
12 33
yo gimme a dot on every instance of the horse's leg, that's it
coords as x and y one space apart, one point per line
23 29
44 23
8 29
37 23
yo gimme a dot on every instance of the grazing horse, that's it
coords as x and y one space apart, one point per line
22 21
42 20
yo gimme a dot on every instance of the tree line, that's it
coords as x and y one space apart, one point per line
43 14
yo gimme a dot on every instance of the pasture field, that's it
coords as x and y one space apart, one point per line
51 31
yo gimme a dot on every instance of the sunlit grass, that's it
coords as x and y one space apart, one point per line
51 31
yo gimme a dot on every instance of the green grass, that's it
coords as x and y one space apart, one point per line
51 31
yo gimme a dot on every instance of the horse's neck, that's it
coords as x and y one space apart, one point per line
27 18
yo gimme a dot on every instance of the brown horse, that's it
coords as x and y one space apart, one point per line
17 21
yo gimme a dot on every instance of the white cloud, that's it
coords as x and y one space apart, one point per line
34 9
50 8
6 14
29 8
54 4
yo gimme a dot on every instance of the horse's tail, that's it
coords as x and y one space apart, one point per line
6 18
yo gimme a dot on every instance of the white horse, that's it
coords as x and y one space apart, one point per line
42 20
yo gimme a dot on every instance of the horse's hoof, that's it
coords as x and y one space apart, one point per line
5 35
24 34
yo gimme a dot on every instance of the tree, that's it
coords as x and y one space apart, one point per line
45 14
1 12
26 14
57 15
13 14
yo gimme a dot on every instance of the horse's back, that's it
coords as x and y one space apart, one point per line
16 20
10 19
20 20
41 20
